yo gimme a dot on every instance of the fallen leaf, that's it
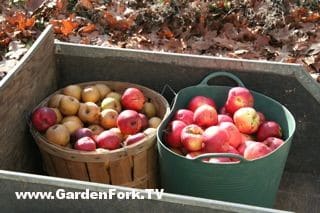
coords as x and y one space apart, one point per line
240 52
110 19
6 65
20 20
314 49
309 60
16 50
261 41
166 32
32 5
68 26
88 28
87 4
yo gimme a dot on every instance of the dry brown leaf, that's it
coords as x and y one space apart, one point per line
16 50
86 4
33 4
240 52
225 42
110 19
261 41
166 32
61 5
21 21
88 28
68 26
314 49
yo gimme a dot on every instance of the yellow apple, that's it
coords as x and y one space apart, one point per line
55 100
58 134
89 112
114 95
149 109
90 94
71 118
150 131
111 103
108 118
72 126
69 105
154 122
103 90
73 90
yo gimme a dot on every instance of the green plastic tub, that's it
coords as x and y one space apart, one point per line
248 182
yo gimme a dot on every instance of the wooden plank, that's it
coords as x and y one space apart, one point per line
47 163
23 88
98 172
77 170
140 162
60 166
152 166
121 171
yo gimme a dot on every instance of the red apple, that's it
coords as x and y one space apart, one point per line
192 138
224 118
131 139
172 134
273 143
80 133
233 150
246 120
245 137
238 97
197 101
85 144
235 138
133 99
108 140
269 129
129 122
243 146
205 115
184 115
144 121
255 151
262 117
223 111
216 139
42 118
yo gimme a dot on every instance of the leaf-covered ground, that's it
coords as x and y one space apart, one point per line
276 30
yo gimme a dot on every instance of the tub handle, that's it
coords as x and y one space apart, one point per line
216 155
224 74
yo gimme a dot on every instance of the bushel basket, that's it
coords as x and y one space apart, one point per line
133 166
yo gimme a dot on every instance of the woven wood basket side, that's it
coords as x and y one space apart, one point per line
132 166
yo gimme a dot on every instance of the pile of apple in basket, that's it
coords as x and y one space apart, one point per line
96 117
237 129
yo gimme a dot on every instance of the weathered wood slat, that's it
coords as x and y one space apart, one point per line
140 162
121 171
98 172
21 90
61 167
77 170
48 164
